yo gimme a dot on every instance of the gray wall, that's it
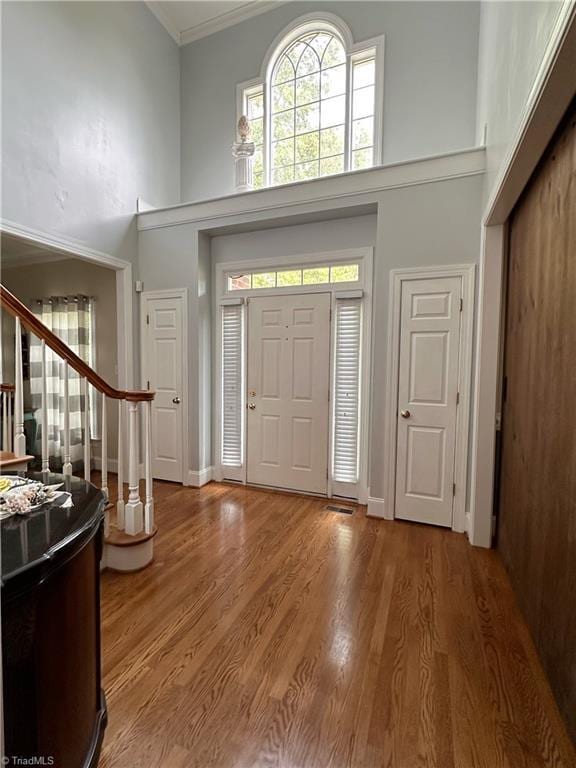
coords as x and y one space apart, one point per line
513 40
429 87
90 119
430 224
315 237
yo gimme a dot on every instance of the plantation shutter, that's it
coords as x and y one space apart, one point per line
232 331
347 389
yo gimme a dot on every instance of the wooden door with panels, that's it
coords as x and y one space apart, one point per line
163 372
430 317
288 381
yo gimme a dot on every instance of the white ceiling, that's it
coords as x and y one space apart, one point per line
188 21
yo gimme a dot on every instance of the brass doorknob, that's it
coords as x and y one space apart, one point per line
252 406
176 400
405 414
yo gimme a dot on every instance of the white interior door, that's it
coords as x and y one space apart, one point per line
288 380
163 371
427 399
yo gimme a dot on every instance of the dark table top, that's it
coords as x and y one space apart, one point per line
36 540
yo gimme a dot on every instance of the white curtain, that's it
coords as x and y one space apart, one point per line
71 319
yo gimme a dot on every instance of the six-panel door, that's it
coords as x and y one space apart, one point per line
164 373
427 399
288 379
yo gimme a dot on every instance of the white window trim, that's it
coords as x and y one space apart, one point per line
355 52
364 257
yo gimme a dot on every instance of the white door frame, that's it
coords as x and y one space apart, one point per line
222 298
172 293
397 277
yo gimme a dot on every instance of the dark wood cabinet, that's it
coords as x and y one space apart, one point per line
54 707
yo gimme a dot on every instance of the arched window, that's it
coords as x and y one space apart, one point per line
316 110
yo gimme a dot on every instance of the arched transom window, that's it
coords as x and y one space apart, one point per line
316 112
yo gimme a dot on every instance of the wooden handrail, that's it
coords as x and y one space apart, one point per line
7 388
16 308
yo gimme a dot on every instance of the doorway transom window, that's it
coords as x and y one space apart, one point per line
317 109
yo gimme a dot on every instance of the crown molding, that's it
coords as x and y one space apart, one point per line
163 18
228 19
216 24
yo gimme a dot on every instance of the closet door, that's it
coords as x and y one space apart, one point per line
537 511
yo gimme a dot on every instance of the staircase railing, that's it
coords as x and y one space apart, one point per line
132 516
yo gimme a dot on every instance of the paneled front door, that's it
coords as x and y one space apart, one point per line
288 381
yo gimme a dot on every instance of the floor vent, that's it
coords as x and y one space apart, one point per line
342 510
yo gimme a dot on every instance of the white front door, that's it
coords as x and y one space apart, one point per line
288 380
427 399
163 371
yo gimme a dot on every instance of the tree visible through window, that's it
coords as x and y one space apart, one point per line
316 115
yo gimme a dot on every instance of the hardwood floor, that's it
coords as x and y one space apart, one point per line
271 632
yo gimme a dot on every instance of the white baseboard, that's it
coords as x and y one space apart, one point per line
377 508
199 478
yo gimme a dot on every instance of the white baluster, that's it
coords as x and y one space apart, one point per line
86 430
149 505
5 425
67 464
44 408
120 476
134 522
19 437
10 424
104 447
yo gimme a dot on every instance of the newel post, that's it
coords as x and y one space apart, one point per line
133 511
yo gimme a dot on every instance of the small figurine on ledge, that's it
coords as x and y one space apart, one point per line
243 152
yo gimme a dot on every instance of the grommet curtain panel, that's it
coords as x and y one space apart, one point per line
71 318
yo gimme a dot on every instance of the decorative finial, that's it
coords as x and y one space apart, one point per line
244 129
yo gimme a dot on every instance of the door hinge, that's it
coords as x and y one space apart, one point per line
147 319
461 304
457 397
453 489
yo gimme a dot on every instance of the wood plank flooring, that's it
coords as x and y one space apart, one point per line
271 632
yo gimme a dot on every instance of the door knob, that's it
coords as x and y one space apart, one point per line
405 414
252 406
176 400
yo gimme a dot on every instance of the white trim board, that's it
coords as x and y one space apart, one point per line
327 190
377 508
552 91
215 24
398 276
200 478
179 293
72 249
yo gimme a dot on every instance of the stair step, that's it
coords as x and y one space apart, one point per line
122 539
10 460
